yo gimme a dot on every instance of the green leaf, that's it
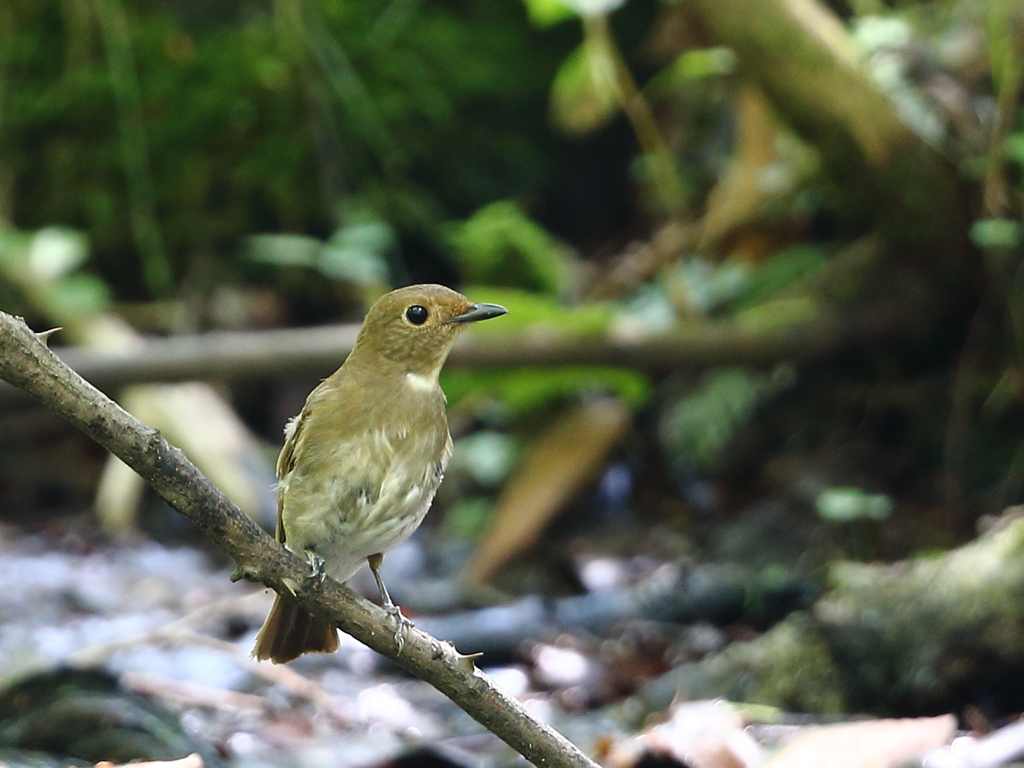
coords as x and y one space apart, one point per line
650 310
690 66
356 265
76 297
781 271
696 430
467 518
501 245
1014 148
358 252
486 455
56 251
996 233
583 93
548 13
844 505
589 8
707 285
284 250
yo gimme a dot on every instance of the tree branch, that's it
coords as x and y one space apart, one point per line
317 351
27 363
822 89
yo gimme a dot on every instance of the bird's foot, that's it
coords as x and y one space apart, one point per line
402 623
317 569
387 603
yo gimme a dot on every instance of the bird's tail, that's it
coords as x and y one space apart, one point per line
290 631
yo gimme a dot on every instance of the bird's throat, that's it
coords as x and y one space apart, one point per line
422 382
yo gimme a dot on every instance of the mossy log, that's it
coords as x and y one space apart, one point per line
920 635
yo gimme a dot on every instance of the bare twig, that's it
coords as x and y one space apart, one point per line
28 364
661 161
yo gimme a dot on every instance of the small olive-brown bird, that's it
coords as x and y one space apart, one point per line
362 460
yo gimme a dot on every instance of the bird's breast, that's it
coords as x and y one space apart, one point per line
362 496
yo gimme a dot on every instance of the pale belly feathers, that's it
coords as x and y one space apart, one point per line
340 517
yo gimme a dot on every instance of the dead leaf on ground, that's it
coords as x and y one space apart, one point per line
871 744
565 457
701 734
191 761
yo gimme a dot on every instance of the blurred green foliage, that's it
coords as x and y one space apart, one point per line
996 233
358 145
266 117
41 271
696 429
501 245
531 310
1014 146
487 456
782 271
583 96
525 390
468 518
845 505
548 13
359 252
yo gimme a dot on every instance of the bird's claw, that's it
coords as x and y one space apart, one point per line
387 603
396 613
317 569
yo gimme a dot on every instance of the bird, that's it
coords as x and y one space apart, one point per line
362 460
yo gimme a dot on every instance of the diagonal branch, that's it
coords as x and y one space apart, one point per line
26 362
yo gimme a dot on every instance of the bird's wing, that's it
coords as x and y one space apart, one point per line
286 462
357 463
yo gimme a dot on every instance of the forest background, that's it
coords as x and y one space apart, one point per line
763 267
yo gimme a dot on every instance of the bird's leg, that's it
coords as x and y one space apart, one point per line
316 566
385 599
386 602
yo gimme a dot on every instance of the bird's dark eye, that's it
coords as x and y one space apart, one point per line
416 314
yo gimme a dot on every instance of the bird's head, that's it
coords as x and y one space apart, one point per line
416 327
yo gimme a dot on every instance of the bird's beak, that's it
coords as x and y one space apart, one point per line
478 312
